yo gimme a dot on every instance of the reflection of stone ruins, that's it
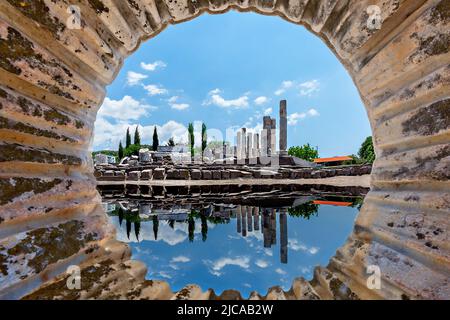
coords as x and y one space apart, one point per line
53 79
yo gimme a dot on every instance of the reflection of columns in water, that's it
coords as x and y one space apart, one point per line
244 221
256 218
238 219
249 219
273 226
267 235
283 236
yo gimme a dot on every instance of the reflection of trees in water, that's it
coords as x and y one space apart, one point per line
357 203
305 210
155 227
204 228
191 228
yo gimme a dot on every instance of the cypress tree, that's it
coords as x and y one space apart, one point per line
128 138
204 139
137 137
155 140
191 139
120 152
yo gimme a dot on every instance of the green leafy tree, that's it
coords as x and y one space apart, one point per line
171 142
191 139
367 152
132 150
128 138
305 152
137 136
120 151
204 139
155 139
204 227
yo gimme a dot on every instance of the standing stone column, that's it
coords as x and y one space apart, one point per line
256 218
256 145
238 144
267 126
273 136
283 127
243 143
264 143
249 153
249 219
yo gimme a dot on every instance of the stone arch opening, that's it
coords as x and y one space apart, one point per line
52 81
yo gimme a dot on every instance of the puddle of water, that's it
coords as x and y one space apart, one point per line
245 243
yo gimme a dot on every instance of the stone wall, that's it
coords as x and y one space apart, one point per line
53 79
147 173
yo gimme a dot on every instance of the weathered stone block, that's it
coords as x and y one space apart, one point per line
235 174
183 174
216 174
206 174
172 174
133 175
146 174
159 174
225 174
196 174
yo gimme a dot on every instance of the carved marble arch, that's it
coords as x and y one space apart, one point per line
52 80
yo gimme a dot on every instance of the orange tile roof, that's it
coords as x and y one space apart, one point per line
333 203
333 159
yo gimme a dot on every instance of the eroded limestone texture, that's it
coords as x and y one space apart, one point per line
52 80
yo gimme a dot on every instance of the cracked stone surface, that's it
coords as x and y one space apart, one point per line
52 82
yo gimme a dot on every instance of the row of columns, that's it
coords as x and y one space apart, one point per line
248 144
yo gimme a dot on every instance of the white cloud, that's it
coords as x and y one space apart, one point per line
216 99
125 109
107 134
153 89
261 100
217 266
309 87
306 88
134 78
295 117
153 66
262 263
182 259
293 244
177 106
287 84
268 111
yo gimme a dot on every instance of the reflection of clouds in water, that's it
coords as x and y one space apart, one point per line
217 265
295 245
180 259
280 271
262 263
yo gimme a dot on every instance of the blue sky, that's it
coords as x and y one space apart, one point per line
229 70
